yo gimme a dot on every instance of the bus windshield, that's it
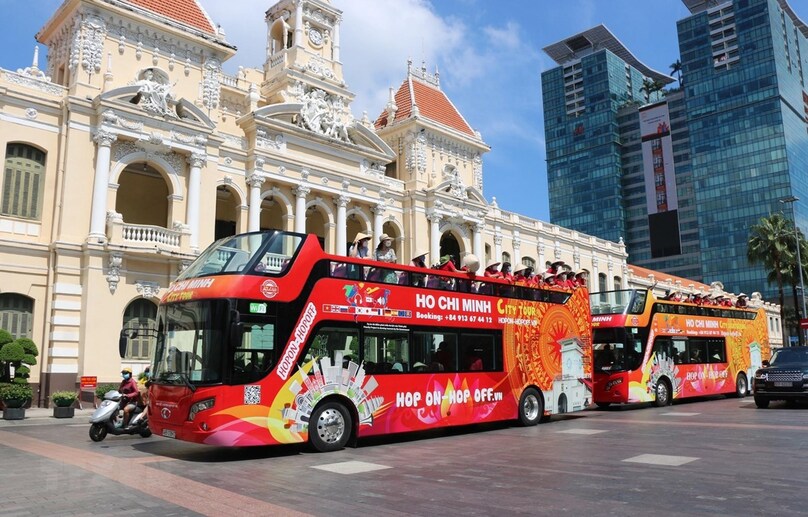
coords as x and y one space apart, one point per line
191 342
626 301
263 252
618 349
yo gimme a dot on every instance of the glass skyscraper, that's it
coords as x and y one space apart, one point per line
684 179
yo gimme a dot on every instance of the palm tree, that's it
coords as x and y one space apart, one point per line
676 68
768 244
647 88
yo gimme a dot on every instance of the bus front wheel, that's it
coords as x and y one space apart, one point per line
663 393
531 407
330 427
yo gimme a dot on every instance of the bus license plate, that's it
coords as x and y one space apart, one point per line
168 433
782 384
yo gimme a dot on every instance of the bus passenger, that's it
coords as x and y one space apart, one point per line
385 251
419 260
522 274
360 246
506 271
741 301
491 270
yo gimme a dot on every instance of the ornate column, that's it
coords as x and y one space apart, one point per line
299 23
196 161
300 205
255 181
540 260
610 278
335 40
342 248
517 253
434 237
477 241
104 139
497 245
378 213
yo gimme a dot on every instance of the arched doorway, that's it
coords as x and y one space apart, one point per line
143 196
449 246
272 213
316 224
140 329
227 212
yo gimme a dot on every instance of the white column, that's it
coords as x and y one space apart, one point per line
255 181
342 244
299 24
610 277
497 246
196 161
378 213
434 238
540 260
517 250
300 208
335 42
477 242
98 219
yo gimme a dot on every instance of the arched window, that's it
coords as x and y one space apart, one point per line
618 282
23 181
16 314
506 257
140 328
529 262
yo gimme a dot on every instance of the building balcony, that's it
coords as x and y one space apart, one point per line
147 237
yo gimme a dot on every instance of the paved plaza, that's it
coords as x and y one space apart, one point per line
717 457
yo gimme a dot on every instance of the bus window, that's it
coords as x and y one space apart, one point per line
386 351
697 351
334 343
679 351
479 352
255 356
716 350
663 347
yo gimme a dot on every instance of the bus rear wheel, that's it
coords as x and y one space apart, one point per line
741 386
531 407
562 404
663 393
330 427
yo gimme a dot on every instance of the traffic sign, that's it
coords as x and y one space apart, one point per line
804 323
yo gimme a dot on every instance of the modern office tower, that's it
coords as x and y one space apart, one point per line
737 135
746 106
596 76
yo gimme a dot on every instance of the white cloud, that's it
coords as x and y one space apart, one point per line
506 37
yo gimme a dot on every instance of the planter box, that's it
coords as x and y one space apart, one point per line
64 412
14 413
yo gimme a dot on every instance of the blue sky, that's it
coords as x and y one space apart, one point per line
489 54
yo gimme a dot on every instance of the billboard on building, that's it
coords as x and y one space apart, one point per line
660 180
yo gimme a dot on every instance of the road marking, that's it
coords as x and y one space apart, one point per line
669 423
582 431
351 467
679 413
193 495
661 459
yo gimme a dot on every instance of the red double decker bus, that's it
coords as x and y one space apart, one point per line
265 339
651 350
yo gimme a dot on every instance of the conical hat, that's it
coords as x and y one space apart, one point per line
361 236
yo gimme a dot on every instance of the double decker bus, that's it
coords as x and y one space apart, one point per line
651 350
265 339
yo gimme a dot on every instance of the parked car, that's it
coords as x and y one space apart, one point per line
784 378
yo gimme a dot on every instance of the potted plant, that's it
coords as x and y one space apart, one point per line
63 403
15 396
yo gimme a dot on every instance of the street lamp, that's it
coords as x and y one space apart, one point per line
790 200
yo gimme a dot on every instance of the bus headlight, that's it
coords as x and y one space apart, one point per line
202 405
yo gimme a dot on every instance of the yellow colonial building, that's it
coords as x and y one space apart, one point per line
131 151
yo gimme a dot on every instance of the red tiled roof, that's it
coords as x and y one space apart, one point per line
188 12
659 276
432 103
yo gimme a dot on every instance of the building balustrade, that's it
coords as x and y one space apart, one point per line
128 234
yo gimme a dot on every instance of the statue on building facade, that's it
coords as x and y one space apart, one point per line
154 95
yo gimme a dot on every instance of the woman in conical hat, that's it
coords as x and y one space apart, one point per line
419 259
491 270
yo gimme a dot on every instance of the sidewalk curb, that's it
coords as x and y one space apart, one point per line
44 416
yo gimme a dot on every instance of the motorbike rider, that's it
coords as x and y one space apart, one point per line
131 394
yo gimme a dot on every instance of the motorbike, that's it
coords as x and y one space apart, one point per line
108 418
